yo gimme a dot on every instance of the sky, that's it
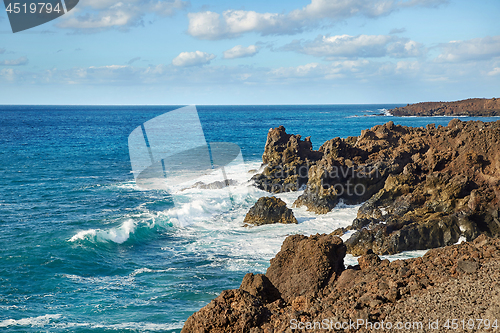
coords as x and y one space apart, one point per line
180 52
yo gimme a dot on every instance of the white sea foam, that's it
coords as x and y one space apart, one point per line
31 321
146 270
135 326
386 112
211 220
227 244
117 235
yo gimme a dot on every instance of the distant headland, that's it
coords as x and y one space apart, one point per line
473 107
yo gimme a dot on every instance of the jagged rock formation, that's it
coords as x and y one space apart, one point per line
473 107
269 210
422 187
459 281
285 156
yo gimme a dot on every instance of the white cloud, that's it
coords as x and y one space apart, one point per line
404 48
98 15
120 15
495 71
8 74
241 52
205 25
188 59
384 75
474 49
308 70
336 70
362 46
233 23
14 62
210 25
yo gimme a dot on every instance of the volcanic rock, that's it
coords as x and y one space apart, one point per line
269 210
420 187
286 156
458 281
259 285
473 107
232 311
305 265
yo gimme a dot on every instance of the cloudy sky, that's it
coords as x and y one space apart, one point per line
255 52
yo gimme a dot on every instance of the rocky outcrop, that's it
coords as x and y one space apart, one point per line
449 191
474 107
285 156
306 265
421 187
269 210
460 281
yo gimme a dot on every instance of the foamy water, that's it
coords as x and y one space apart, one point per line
212 222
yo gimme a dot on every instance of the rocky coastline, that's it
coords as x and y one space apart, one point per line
432 188
473 107
420 187
308 289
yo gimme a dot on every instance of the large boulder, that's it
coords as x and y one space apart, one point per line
232 311
269 210
306 265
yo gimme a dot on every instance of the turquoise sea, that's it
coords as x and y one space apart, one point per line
83 249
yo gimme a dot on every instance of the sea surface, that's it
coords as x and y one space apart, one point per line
84 249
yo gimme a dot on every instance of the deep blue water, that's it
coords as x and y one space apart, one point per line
82 249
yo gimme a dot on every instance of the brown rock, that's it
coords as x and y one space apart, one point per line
423 289
232 311
305 265
369 260
467 266
287 158
420 187
259 285
269 210
474 107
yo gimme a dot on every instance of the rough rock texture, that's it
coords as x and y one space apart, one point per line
268 210
285 155
474 107
305 265
234 309
259 285
459 281
421 187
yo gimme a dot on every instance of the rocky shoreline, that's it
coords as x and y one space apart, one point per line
307 288
421 188
473 107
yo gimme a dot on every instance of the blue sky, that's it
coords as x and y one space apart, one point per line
255 52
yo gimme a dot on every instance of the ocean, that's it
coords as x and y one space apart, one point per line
84 249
